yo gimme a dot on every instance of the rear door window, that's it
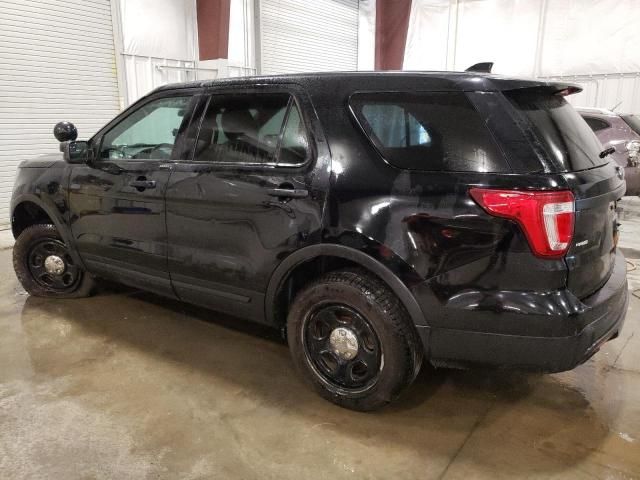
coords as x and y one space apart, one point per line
438 131
252 129
569 142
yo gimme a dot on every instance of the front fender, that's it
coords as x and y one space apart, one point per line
47 189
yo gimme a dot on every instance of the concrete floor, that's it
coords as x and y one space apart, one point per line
128 385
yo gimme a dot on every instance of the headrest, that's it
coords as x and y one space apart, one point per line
237 122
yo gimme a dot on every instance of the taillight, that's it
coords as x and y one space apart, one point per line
545 217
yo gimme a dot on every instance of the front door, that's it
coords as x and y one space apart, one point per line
117 200
247 199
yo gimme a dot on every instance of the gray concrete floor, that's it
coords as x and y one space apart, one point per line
128 385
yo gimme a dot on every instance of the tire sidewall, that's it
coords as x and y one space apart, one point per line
394 370
21 249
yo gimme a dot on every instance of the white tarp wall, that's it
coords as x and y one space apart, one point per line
366 34
592 42
159 43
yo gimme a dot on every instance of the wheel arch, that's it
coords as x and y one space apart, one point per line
348 256
29 210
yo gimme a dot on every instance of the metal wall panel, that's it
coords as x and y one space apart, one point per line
304 36
57 62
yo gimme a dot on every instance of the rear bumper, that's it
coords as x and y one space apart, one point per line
594 321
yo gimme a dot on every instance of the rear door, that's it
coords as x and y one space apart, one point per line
572 150
116 201
251 195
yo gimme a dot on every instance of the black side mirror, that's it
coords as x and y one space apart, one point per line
65 131
75 152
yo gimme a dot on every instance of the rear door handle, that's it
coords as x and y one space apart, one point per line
143 184
288 192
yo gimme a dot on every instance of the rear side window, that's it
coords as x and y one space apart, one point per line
633 121
569 142
252 129
596 124
428 131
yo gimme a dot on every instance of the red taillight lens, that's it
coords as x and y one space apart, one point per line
545 217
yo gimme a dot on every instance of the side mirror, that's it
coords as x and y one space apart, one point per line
65 131
75 152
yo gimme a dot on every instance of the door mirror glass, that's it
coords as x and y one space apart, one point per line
147 133
75 151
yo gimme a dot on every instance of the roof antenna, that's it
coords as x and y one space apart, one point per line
482 67
617 105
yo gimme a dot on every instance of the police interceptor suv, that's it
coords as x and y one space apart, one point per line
381 220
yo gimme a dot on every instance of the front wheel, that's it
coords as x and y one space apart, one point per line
353 340
44 266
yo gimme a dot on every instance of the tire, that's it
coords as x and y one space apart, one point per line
365 309
32 248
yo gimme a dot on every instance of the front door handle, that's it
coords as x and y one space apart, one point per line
288 192
143 184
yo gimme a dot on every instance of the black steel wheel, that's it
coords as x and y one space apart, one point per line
342 346
45 267
353 340
52 267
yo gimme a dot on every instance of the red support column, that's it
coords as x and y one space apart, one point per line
392 24
213 28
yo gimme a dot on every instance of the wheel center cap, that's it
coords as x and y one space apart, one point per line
344 343
54 265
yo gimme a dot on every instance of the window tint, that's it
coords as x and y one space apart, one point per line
596 124
570 144
633 121
248 129
295 146
149 132
428 131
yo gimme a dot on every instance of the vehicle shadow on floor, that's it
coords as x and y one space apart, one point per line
491 413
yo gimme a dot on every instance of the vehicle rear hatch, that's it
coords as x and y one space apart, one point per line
574 155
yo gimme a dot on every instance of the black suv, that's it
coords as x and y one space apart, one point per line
380 219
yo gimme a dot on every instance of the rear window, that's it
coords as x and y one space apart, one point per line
569 142
428 131
633 122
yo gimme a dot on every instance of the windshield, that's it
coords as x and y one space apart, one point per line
633 122
569 141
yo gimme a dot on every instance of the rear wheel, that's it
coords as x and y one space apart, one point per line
45 267
351 337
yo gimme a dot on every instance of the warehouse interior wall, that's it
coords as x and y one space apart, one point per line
159 44
392 22
591 42
366 34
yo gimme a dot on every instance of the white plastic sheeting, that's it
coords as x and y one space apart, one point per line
159 28
242 35
525 37
366 34
159 44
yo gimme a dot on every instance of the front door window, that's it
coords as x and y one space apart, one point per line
148 133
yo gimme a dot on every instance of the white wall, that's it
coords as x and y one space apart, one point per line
592 42
366 34
158 44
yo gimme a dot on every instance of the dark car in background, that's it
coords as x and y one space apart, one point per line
381 220
621 131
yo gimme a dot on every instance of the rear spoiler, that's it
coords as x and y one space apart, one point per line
562 89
